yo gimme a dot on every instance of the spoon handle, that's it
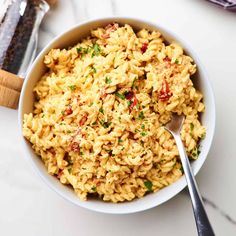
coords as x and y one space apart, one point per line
203 224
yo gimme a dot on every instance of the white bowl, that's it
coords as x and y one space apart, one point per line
71 37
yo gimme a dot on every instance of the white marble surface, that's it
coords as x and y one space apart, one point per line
28 207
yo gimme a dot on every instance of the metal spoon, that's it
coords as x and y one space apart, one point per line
202 222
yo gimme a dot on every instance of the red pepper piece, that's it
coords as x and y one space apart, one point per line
165 92
144 47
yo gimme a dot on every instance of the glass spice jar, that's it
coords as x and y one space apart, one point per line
19 24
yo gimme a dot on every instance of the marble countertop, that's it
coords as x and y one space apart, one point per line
30 208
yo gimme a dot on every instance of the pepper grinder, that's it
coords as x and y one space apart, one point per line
19 25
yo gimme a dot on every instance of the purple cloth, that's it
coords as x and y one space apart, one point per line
226 4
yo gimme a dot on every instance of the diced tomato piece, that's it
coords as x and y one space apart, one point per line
144 47
135 102
83 120
110 28
68 111
165 92
167 62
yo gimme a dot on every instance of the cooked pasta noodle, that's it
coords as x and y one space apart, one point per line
100 110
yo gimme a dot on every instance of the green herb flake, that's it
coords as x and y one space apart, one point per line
141 116
43 115
69 170
79 50
203 136
143 106
107 80
122 148
176 61
96 50
195 153
105 124
120 140
81 153
133 83
121 96
90 104
143 134
191 126
142 126
112 155
101 110
72 87
68 131
94 69
148 184
94 123
129 102
94 189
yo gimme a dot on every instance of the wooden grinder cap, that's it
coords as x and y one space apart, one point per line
10 87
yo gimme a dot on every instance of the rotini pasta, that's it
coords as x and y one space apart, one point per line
100 110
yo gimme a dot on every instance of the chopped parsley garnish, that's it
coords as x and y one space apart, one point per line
120 140
203 136
191 126
68 131
96 50
122 148
133 83
90 104
107 80
176 61
121 96
79 50
82 51
94 123
143 133
72 87
143 106
129 102
105 124
195 153
148 184
142 126
81 153
101 110
43 115
141 116
94 188
94 69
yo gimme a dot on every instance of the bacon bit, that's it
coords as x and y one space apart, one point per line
144 47
75 147
52 151
60 172
68 111
165 92
131 97
83 120
103 95
110 28
167 62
